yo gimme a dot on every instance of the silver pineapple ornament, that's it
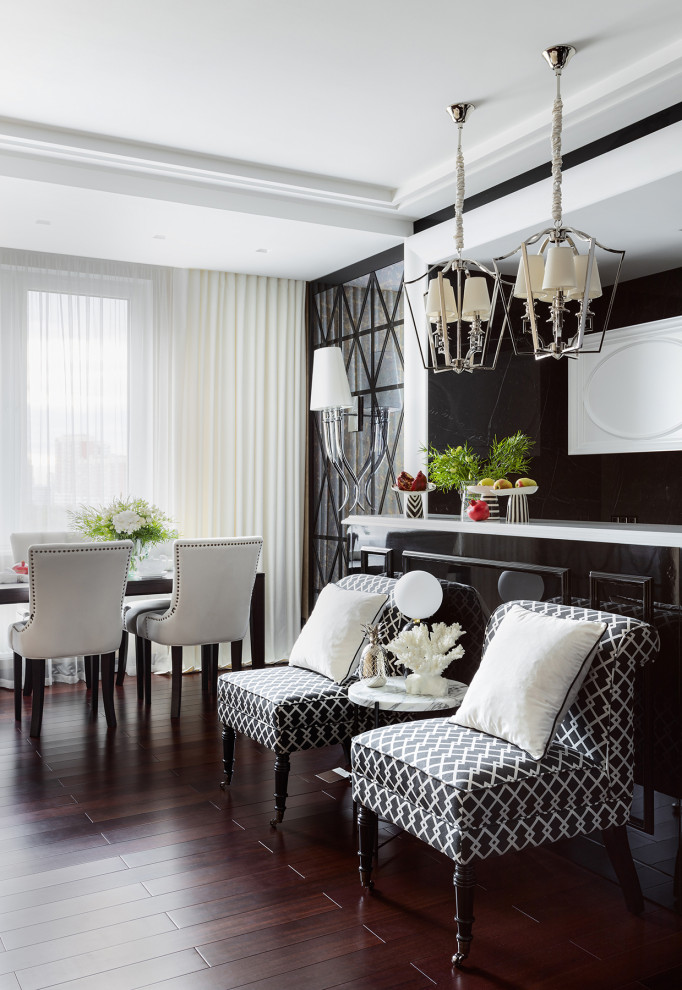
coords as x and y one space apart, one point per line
373 662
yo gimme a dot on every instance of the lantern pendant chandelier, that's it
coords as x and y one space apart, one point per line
459 317
559 275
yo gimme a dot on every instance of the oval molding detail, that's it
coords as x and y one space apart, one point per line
633 393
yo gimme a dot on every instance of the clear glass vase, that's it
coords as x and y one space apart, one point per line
140 552
465 497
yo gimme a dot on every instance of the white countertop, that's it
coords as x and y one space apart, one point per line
633 534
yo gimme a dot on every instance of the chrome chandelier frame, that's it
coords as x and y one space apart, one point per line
563 341
451 346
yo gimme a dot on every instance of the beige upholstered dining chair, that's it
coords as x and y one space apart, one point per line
21 541
76 594
210 604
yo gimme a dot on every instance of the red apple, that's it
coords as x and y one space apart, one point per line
419 483
478 511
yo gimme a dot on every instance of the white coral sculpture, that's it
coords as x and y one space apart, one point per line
427 652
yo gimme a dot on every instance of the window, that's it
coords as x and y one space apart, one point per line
75 346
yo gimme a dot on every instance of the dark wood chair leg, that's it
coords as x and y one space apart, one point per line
38 696
87 663
205 667
236 650
108 688
176 685
367 830
28 679
122 659
147 644
346 750
215 653
618 848
139 666
257 622
465 881
282 766
94 666
228 754
17 687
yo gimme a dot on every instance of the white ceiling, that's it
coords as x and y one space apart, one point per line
295 138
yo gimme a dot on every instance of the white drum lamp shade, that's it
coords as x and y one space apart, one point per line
418 594
594 291
536 266
476 299
329 388
559 269
433 310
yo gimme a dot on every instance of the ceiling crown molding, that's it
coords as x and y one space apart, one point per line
52 152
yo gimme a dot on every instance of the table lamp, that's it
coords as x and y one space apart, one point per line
418 595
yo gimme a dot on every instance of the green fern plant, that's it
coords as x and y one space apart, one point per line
455 467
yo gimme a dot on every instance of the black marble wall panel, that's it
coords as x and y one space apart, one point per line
532 396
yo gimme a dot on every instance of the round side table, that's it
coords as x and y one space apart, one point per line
393 697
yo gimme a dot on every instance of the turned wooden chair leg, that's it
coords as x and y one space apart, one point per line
94 666
282 766
17 687
176 685
620 854
465 881
108 688
367 830
38 696
28 678
122 659
139 666
228 754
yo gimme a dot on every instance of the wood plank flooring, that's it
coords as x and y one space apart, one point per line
123 865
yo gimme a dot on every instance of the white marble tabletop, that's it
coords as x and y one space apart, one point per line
393 697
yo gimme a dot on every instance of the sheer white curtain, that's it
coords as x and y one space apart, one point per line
185 388
242 420
86 368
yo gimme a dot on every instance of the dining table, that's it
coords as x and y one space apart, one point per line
18 593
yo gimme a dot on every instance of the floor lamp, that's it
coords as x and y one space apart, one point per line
331 396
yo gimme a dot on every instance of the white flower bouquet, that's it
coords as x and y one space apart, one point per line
125 519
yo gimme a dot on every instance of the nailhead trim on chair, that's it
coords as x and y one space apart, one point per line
195 546
74 549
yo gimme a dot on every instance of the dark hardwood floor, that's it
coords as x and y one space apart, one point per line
123 865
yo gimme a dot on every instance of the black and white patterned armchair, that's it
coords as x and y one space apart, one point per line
471 795
289 709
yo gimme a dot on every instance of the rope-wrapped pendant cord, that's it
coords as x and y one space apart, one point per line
459 199
557 111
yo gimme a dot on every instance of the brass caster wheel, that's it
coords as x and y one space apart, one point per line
274 823
458 959
223 785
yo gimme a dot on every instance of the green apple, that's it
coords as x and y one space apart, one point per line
526 483
502 483
487 482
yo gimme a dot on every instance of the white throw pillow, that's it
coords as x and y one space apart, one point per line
331 640
529 677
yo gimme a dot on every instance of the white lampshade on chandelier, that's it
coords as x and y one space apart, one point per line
564 274
463 297
330 395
